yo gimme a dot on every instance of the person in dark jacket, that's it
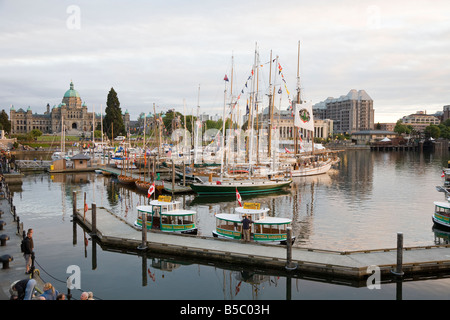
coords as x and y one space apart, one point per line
23 289
28 249
246 227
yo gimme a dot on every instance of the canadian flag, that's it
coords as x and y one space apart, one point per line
238 197
151 189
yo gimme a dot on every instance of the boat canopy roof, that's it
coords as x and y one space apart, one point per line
233 217
442 204
176 212
163 203
242 210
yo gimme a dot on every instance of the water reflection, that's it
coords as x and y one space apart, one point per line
360 204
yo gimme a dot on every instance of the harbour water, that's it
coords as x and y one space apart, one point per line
360 204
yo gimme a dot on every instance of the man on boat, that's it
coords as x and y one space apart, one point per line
246 227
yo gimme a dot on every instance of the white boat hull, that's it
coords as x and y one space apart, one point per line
311 171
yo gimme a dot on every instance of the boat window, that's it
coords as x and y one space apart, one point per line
441 210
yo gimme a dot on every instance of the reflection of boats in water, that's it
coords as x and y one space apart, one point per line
441 235
264 228
167 215
254 197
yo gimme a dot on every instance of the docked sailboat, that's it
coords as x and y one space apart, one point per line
167 215
228 187
306 164
264 229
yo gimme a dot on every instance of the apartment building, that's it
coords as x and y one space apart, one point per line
350 113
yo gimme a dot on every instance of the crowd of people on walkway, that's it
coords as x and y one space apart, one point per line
26 289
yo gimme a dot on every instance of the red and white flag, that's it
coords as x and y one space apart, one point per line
286 149
238 197
443 174
151 189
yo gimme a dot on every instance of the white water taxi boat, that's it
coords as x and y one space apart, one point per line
264 229
441 214
167 215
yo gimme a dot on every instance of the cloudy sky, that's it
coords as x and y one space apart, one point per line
175 53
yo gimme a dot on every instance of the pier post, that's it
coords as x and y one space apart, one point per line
143 245
398 271
74 204
94 219
289 265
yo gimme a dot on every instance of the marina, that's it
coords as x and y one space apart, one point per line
341 264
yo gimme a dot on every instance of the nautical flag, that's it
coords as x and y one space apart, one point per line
443 174
238 197
226 78
303 116
151 190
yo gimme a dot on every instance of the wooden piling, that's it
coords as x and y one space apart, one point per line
289 264
94 219
143 245
399 267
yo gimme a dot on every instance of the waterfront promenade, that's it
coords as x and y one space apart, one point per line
16 270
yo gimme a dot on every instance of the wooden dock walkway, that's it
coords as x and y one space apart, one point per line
111 231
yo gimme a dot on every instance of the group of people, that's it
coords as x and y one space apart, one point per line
7 162
24 289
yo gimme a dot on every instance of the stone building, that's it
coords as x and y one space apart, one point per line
72 111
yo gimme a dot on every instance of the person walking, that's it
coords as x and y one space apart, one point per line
246 227
28 250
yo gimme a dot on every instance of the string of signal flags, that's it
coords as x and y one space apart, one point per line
280 72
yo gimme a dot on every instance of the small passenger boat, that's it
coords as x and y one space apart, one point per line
441 215
167 215
264 229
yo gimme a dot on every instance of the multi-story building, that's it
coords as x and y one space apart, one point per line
71 112
350 113
420 120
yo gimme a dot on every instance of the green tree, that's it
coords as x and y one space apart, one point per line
4 121
113 121
432 131
401 128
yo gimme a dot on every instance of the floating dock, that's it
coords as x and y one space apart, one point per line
111 231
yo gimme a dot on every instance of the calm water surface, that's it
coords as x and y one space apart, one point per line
361 204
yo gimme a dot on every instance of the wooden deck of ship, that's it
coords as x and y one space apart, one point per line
111 231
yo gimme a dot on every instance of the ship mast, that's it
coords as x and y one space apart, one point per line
299 101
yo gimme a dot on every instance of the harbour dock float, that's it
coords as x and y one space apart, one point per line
112 231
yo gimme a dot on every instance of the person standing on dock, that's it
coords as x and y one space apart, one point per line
28 249
246 227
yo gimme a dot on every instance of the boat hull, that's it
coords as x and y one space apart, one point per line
226 188
305 172
126 180
441 222
260 238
